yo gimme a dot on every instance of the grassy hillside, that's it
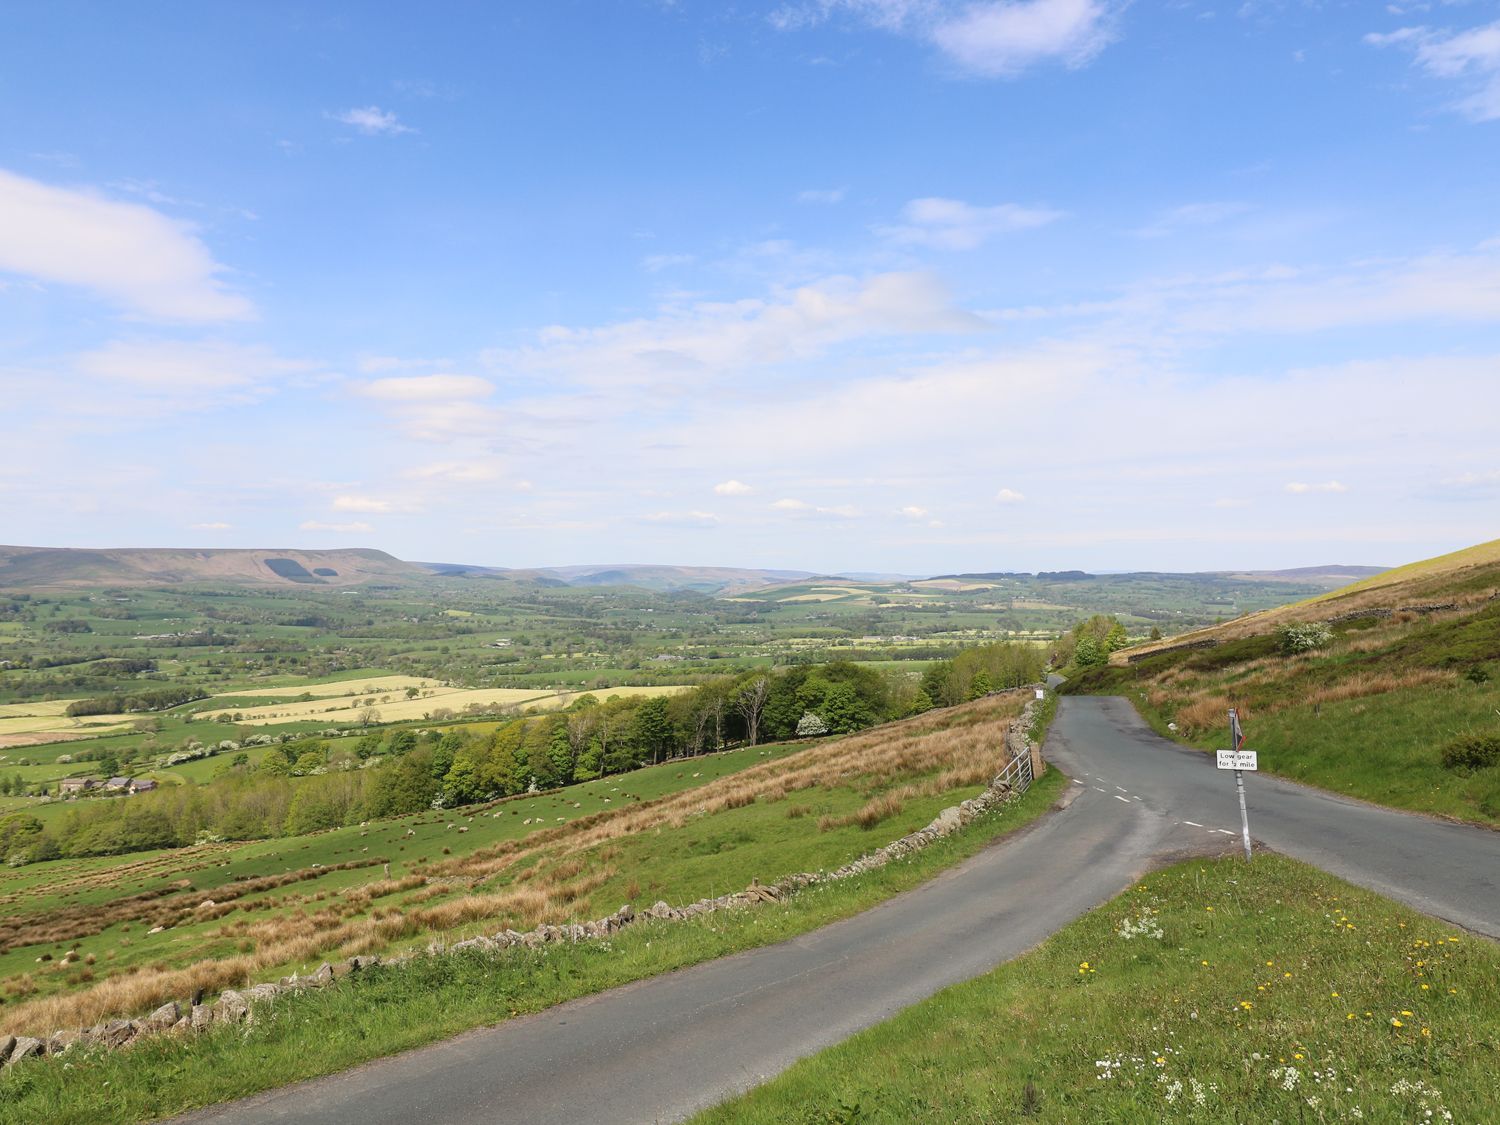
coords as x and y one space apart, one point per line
84 940
1213 991
1395 698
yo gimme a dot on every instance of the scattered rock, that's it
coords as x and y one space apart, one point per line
26 1048
164 1017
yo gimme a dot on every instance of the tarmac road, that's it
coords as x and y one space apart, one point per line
663 1048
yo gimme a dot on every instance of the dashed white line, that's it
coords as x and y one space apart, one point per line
1194 823
1225 831
1098 790
1117 797
1122 789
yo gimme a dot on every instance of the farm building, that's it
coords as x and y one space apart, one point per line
76 785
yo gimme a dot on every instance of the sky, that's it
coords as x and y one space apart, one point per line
918 286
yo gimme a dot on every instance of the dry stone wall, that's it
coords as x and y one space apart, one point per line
236 1006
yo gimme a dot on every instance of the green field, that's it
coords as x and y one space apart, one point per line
383 1011
1213 991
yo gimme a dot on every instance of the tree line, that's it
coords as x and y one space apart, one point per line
317 784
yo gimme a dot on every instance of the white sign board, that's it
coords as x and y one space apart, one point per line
1237 760
1041 694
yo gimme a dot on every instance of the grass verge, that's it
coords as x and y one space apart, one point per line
389 1010
1212 991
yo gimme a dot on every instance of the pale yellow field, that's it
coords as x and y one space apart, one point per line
380 684
816 597
48 724
399 709
37 707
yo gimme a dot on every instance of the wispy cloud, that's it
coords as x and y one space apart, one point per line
1301 487
372 121
1009 496
803 510
127 253
1470 58
733 488
217 525
991 38
682 519
1190 217
821 195
951 224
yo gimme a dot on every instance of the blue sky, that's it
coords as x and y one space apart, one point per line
836 284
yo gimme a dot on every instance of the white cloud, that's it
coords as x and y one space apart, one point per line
127 253
340 528
655 263
1009 496
1003 38
685 346
733 488
804 510
457 472
951 224
427 388
217 525
821 195
361 504
912 512
372 121
1326 486
992 38
1471 58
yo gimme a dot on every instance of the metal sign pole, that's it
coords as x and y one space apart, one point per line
1236 740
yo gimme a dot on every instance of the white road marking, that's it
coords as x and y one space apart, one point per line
1098 790
1122 789
1194 823
1225 831
1117 797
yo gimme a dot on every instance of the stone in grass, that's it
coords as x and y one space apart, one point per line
7 1045
164 1017
231 1007
26 1048
202 1017
117 1033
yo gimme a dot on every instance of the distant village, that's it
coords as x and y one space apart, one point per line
72 786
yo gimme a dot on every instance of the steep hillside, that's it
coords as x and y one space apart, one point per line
1462 578
1388 690
32 567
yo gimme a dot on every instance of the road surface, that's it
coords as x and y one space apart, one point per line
661 1049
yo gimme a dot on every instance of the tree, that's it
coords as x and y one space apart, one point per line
980 685
651 728
749 701
811 725
368 716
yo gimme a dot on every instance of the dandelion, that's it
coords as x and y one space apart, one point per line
1396 1023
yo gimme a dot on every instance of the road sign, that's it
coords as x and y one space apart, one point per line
1237 760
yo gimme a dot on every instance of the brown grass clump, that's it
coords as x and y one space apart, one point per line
874 811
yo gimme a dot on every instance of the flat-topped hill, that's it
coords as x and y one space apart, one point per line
31 567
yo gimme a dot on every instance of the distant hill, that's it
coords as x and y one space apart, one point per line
702 579
30 567
1333 576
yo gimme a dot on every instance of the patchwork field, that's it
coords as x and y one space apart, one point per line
395 707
